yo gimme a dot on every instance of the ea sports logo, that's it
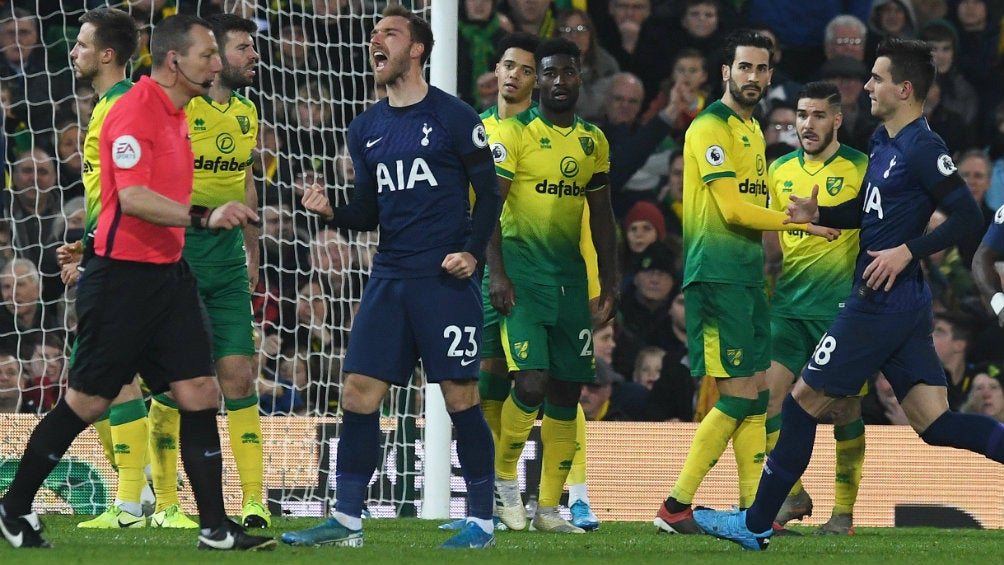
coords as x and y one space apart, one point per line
126 152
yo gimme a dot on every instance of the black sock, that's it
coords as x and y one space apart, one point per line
46 446
675 506
203 460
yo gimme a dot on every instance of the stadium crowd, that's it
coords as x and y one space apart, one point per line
649 68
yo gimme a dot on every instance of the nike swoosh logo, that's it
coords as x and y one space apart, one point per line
208 453
466 362
811 368
373 142
225 543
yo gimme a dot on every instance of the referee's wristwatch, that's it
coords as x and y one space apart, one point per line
200 217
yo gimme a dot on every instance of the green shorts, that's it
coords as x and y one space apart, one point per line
550 328
226 292
793 341
728 329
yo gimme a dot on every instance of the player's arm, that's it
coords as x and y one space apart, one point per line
362 212
741 213
500 290
488 204
949 193
141 202
604 230
251 231
988 280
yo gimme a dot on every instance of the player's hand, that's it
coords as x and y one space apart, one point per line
829 233
70 253
69 274
606 308
315 200
501 292
803 210
886 266
461 265
231 215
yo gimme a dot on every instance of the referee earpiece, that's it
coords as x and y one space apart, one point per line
175 61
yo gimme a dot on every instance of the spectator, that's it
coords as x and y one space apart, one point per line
953 333
35 81
45 358
950 279
598 65
845 36
674 394
975 167
780 126
621 34
979 26
604 343
643 225
531 16
69 149
10 383
957 93
986 396
22 315
282 396
644 311
33 203
929 10
782 88
6 243
648 366
670 197
946 122
994 197
610 398
858 124
889 18
480 28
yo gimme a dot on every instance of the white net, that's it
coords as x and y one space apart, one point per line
313 79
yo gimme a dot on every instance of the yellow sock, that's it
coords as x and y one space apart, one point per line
245 443
517 421
165 423
577 474
749 443
710 440
129 432
494 389
850 460
557 435
104 429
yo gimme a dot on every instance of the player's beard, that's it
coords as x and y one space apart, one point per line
825 141
394 70
232 78
740 97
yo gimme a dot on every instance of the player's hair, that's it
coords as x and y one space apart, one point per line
517 40
821 90
420 29
115 30
172 34
963 324
747 38
556 46
909 60
222 24
940 30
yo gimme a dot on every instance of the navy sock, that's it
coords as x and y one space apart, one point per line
199 445
975 432
46 446
785 465
358 457
476 453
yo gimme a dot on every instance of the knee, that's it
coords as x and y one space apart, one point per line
530 387
201 393
564 394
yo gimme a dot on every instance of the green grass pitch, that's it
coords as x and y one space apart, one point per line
412 542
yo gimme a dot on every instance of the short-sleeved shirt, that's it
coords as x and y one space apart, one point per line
551 169
91 170
144 142
816 273
720 144
223 141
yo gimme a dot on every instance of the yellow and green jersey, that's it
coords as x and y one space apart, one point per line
551 169
223 141
91 170
816 274
720 144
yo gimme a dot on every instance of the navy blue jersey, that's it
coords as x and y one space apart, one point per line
413 167
906 179
994 238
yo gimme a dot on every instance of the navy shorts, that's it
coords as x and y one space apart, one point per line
138 318
859 344
438 319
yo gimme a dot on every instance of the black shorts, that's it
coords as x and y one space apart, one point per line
138 318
